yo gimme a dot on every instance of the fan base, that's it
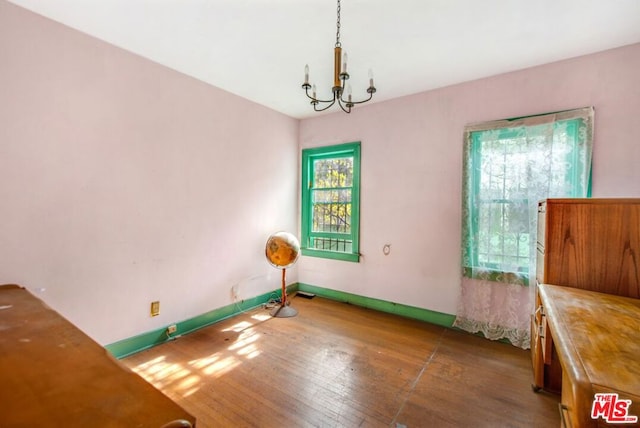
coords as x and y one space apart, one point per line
283 312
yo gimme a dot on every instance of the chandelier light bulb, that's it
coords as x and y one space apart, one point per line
344 62
306 74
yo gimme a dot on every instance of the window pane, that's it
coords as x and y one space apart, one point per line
331 211
503 236
503 211
335 172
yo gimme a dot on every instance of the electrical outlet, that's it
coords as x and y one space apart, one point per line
155 308
172 329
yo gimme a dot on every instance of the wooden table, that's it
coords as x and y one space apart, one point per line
597 339
54 375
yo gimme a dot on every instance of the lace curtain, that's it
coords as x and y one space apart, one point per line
509 166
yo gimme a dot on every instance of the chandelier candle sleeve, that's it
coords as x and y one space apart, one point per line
336 70
306 74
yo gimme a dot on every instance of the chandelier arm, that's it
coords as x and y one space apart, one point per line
348 109
358 102
317 100
371 90
315 105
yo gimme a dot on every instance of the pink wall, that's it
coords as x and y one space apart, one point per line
412 162
125 182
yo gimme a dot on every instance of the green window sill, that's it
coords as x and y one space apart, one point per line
347 257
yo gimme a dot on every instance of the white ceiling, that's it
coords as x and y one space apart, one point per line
257 49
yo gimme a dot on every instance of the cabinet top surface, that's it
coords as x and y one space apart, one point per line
590 201
597 334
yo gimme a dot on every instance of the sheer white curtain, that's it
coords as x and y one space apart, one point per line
509 166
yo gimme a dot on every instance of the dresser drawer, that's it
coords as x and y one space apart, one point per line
542 332
545 338
568 416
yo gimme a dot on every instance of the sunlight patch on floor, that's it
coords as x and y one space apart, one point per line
261 317
187 379
245 339
239 326
221 367
161 373
189 385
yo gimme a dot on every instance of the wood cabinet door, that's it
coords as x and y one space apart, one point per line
593 246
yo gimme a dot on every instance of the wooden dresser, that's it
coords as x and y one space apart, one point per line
54 375
597 338
588 244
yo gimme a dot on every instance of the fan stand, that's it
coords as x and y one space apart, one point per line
284 310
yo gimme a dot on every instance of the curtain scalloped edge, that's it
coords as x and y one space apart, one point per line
517 337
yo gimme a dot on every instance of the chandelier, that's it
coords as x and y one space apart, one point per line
340 77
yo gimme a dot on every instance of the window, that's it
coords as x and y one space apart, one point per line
331 202
508 167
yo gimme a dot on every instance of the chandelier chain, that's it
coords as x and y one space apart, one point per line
338 44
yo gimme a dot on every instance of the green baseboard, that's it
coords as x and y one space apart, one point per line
126 347
129 346
426 315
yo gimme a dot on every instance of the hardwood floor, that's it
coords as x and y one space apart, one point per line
338 365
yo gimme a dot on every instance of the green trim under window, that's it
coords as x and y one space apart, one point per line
348 239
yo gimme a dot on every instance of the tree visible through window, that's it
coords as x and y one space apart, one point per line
330 201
